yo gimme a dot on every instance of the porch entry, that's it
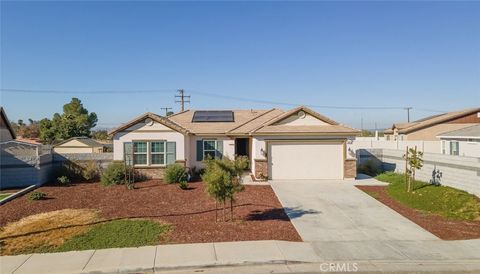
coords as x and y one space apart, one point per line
242 146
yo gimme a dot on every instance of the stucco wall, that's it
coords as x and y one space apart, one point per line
171 136
228 149
456 171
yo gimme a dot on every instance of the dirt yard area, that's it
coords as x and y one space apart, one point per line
258 213
445 229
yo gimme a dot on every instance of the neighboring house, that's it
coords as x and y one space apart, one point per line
79 145
6 130
298 144
463 142
427 129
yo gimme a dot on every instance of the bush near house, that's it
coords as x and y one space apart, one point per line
175 173
442 200
114 174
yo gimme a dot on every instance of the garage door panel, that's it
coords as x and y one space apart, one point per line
305 160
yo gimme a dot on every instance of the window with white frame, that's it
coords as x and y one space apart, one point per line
443 147
140 153
153 153
209 149
454 148
157 153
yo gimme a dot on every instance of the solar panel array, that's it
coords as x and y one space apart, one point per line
213 116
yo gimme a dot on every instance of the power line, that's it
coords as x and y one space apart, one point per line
211 94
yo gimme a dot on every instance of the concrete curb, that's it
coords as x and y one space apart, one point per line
18 193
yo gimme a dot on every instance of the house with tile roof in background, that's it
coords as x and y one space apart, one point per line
428 128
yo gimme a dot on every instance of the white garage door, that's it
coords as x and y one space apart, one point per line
305 160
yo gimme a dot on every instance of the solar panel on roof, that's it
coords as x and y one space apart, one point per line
213 116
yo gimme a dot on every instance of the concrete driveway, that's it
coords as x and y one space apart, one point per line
335 210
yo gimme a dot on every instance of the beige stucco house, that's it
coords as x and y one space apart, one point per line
6 130
462 142
428 128
79 145
297 144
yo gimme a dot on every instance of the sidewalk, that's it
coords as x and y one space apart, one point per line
264 256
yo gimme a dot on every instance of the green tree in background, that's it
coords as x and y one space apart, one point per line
100 135
75 121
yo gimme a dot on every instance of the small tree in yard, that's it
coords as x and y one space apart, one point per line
413 162
223 181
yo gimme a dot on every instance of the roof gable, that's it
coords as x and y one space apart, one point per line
140 123
79 142
301 116
303 120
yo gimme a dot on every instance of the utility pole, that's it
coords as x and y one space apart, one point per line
182 97
408 113
166 111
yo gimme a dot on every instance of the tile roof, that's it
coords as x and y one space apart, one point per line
241 117
431 121
245 122
467 132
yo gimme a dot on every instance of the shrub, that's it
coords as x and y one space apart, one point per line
36 195
114 174
369 168
241 163
79 170
63 181
175 174
90 170
183 184
70 169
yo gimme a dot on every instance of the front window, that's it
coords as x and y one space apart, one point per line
443 147
157 153
140 153
209 149
150 153
454 148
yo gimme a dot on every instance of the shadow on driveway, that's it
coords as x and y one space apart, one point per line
283 214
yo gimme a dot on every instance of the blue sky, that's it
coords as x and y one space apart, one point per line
425 55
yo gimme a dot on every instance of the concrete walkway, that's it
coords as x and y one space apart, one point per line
335 210
279 255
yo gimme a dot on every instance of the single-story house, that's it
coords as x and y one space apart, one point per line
79 145
297 144
463 142
6 131
428 128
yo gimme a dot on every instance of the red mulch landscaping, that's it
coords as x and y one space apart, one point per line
445 229
258 213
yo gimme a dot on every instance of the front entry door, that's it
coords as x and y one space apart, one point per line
241 147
